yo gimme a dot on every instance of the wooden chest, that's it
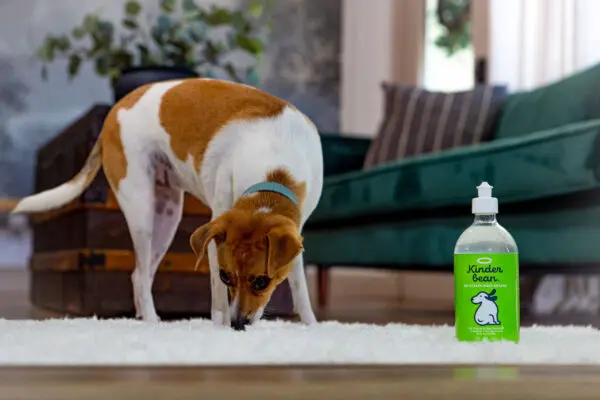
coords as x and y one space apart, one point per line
82 253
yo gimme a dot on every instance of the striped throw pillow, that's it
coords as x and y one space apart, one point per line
417 121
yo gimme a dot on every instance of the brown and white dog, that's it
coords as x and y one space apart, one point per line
254 159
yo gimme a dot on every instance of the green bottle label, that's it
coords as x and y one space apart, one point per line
486 297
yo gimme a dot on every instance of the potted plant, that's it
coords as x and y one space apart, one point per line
185 40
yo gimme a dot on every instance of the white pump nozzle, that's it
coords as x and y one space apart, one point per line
484 203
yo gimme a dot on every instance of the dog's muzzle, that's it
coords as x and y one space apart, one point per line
239 324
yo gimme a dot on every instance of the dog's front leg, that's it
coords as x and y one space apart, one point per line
219 309
300 295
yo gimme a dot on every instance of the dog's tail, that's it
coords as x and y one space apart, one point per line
68 191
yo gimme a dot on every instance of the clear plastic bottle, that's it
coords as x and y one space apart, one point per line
486 276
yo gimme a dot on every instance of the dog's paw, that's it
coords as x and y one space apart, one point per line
151 318
219 318
308 317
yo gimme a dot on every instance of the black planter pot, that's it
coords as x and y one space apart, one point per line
132 78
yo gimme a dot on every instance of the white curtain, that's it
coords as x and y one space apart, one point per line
532 43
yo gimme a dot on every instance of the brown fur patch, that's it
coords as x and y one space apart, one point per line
113 155
195 110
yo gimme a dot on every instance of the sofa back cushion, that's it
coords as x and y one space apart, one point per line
575 98
418 121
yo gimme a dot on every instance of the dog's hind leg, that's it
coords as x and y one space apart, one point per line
136 197
168 209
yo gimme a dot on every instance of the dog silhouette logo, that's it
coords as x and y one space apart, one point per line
487 311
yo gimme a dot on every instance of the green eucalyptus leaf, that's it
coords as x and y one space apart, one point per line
130 24
198 30
121 59
218 16
106 30
90 23
114 73
230 69
168 6
256 8
252 77
192 15
156 35
74 65
251 45
102 65
78 32
46 51
62 43
240 23
133 7
164 24
186 35
189 5
145 58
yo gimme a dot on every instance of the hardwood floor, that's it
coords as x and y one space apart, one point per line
354 297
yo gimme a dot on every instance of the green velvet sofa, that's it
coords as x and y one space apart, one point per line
544 164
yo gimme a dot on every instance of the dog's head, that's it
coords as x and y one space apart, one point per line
254 251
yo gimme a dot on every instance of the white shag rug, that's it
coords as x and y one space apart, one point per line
199 342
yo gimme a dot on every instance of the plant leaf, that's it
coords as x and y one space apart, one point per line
189 5
46 51
74 65
90 22
133 7
106 30
78 32
251 45
230 69
62 43
168 6
101 65
252 76
145 58
256 8
218 16
198 30
130 24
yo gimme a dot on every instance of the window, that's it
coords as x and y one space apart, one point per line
440 71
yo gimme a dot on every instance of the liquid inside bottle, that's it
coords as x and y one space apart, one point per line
486 276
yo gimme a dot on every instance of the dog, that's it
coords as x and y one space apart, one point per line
254 159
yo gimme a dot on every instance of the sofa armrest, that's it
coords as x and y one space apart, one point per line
343 153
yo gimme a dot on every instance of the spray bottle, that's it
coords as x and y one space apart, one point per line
486 276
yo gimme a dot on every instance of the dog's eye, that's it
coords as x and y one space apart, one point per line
260 283
225 277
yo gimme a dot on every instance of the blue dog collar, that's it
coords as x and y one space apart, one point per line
272 187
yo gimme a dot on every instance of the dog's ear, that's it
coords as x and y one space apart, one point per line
283 245
202 236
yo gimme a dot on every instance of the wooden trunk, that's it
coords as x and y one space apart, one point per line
83 255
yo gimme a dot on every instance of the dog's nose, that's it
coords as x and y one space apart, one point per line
239 324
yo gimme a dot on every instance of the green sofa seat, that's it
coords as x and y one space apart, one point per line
549 163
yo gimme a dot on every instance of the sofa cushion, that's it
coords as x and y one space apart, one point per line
418 121
546 163
573 99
